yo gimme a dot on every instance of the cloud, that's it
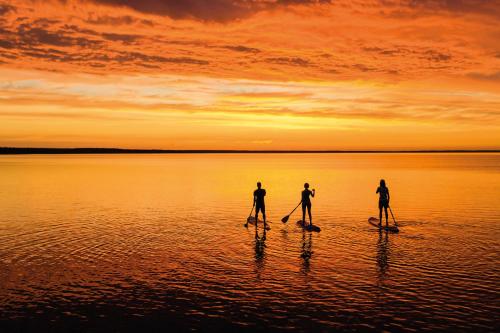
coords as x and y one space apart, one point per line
296 40
481 6
126 38
132 56
384 51
117 20
6 44
273 94
6 8
436 56
343 106
364 68
240 48
30 35
485 76
207 10
292 61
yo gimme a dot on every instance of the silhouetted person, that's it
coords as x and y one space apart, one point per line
383 202
306 203
258 201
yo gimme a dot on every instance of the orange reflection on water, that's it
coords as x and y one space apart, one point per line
151 234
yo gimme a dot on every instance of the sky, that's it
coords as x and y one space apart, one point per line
250 74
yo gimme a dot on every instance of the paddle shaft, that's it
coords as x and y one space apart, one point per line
395 223
295 208
251 210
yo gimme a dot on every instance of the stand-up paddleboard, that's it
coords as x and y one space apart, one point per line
251 220
374 222
308 227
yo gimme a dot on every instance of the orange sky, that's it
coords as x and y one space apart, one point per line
250 74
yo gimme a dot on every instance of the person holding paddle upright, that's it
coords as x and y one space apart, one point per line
258 201
306 203
383 202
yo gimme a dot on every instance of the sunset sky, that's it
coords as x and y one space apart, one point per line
250 74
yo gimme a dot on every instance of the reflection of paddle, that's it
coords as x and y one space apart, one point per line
285 219
249 215
395 223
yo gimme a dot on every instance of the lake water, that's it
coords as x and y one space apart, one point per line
129 242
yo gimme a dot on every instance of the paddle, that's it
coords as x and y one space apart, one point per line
395 223
249 215
285 219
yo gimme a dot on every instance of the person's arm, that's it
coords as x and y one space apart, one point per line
378 190
313 192
254 198
388 196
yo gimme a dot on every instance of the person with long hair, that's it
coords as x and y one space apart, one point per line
383 202
306 203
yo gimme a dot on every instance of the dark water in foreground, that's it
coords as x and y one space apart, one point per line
121 243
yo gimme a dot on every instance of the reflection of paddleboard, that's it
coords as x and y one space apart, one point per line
251 220
374 222
307 227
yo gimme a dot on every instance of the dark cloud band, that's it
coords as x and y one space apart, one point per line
208 10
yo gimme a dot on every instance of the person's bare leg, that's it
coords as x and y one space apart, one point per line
263 211
386 217
380 216
303 215
310 215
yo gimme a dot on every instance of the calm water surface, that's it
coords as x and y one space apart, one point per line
119 243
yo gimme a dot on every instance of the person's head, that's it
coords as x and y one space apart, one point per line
382 183
259 184
306 185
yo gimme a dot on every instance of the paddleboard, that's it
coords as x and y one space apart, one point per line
251 220
374 222
307 227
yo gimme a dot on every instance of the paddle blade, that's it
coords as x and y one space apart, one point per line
285 219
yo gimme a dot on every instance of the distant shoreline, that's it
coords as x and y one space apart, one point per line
75 151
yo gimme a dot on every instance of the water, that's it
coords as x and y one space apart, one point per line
128 242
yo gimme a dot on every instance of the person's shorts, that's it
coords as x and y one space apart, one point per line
261 208
306 204
383 204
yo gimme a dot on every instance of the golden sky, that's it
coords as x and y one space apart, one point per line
250 74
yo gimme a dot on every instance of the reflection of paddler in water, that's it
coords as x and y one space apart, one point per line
306 252
260 245
383 202
306 203
382 269
382 252
258 201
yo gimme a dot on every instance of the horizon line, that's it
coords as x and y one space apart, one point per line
69 151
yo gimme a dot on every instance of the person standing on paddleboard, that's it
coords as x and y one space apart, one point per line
258 201
383 202
306 203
